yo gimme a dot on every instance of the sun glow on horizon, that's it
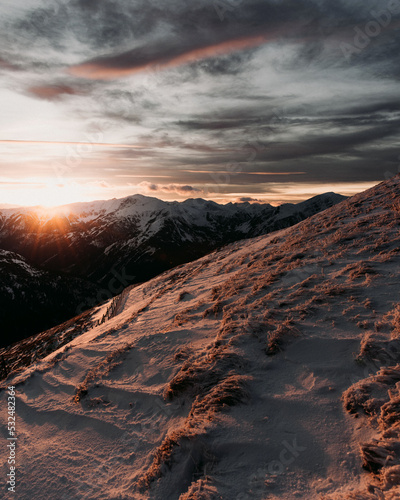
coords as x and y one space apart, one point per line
50 195
45 192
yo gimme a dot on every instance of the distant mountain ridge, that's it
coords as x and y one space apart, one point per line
144 235
33 299
112 244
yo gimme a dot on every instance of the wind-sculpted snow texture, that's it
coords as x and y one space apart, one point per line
265 370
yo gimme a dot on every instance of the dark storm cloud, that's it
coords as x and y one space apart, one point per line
217 101
182 189
215 124
194 31
374 108
159 33
248 199
324 144
232 64
160 56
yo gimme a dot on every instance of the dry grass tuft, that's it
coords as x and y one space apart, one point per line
389 417
181 318
396 322
281 336
215 293
214 310
378 352
377 455
359 269
201 490
164 455
184 443
199 374
379 398
369 395
112 360
356 398
355 495
182 353
391 477
229 392
183 295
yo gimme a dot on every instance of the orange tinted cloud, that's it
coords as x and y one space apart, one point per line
51 92
243 172
106 69
4 64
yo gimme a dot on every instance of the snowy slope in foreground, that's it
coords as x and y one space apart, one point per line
223 378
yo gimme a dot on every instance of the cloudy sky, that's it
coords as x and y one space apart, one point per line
273 100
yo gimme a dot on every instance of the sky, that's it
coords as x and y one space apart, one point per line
233 100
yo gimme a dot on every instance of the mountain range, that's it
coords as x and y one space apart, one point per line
34 299
94 250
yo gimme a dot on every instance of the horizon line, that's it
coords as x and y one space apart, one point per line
69 143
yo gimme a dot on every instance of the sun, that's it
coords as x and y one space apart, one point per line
57 194
44 192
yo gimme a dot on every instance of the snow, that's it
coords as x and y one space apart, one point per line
223 378
7 258
10 291
99 312
143 209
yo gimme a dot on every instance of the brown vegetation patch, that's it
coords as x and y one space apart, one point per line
112 360
229 392
281 336
200 373
186 442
